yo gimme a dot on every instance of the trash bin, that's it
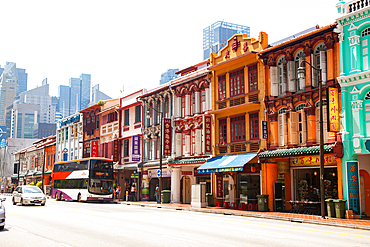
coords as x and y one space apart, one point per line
340 206
330 207
166 196
263 203
209 199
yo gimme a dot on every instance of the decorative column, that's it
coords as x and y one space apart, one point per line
175 184
208 97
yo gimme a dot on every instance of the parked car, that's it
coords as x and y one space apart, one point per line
2 214
28 194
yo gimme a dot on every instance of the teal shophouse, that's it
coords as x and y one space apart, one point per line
354 53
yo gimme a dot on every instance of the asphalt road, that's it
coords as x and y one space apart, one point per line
89 224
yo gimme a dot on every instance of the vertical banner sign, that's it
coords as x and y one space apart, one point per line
167 137
220 187
333 109
353 186
94 149
115 150
136 148
264 130
207 134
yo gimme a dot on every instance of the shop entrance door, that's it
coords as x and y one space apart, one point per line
152 184
362 195
229 188
186 190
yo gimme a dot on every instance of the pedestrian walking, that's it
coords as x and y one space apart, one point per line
118 192
157 193
133 192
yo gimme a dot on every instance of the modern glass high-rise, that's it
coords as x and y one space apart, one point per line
97 95
85 80
64 95
168 76
215 36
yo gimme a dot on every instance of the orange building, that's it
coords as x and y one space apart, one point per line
291 162
237 93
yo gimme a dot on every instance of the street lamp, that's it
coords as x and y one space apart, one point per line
301 75
160 147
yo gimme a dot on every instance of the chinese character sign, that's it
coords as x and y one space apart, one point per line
136 148
219 185
333 109
264 130
94 149
353 186
312 160
207 134
115 150
167 137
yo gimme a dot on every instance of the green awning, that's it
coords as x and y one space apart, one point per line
187 161
281 153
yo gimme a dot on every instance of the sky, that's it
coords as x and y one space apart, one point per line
129 44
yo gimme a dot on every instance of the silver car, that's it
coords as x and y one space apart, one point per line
2 214
28 194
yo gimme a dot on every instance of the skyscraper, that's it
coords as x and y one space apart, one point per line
13 81
168 76
85 80
97 95
215 36
64 93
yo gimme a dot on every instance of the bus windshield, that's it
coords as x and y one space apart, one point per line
101 186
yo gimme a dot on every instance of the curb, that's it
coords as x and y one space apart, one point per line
261 216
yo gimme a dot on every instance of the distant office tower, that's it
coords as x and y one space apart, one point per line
76 96
97 95
216 36
168 76
25 104
13 81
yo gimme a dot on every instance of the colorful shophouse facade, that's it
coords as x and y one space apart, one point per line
354 39
91 131
237 92
192 139
154 102
291 160
130 141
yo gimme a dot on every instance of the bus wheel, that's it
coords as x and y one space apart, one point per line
56 196
79 197
60 196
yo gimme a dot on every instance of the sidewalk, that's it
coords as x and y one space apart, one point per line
300 218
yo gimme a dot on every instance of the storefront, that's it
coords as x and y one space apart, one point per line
151 180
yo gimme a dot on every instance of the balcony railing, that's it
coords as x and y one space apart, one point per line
356 5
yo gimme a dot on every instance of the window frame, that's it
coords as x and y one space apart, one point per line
126 117
222 87
236 82
254 127
238 131
126 148
138 114
222 124
253 78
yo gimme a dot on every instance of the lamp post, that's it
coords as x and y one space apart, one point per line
301 74
160 151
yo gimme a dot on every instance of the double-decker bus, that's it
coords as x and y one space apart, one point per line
88 179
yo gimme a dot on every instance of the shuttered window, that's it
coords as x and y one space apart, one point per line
237 83
253 126
223 131
237 128
253 78
222 87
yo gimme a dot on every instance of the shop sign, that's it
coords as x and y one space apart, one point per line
264 130
207 134
153 173
69 120
136 148
167 137
333 110
312 160
134 174
219 186
353 186
115 150
94 149
185 173
283 167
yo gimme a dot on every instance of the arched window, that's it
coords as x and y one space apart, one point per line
319 61
298 59
365 36
282 75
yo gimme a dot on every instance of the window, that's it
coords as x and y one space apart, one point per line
282 127
299 84
282 76
365 48
158 112
167 107
127 117
67 133
138 114
97 126
158 148
253 126
150 149
237 128
203 100
183 105
252 78
150 110
319 61
192 150
192 103
317 118
126 148
302 125
223 131
222 87
237 83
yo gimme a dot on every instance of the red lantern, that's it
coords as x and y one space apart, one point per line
253 168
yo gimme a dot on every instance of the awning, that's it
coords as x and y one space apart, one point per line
301 151
232 163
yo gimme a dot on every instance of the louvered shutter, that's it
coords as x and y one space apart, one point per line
281 130
274 81
285 127
293 128
314 73
198 141
284 70
302 81
292 80
178 144
323 66
304 127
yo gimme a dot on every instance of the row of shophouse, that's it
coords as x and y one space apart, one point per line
243 122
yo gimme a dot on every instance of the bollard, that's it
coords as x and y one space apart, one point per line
126 196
